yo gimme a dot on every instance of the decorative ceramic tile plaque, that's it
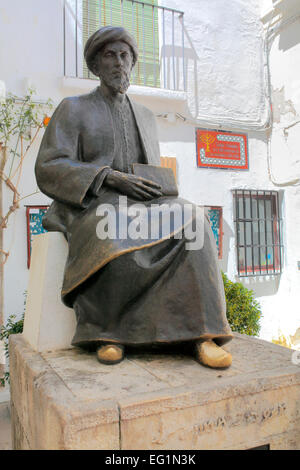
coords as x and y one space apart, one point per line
221 149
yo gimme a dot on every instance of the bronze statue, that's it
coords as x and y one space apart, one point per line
125 292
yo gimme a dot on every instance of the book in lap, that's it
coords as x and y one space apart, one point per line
160 175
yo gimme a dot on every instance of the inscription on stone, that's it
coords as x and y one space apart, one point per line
248 417
219 423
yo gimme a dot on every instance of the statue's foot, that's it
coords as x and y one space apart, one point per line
210 354
110 353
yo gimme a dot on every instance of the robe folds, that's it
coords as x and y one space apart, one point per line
134 291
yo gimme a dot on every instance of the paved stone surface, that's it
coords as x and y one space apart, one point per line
143 373
155 401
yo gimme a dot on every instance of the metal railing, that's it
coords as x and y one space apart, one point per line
159 32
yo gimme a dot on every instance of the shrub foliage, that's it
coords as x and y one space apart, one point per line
243 311
11 327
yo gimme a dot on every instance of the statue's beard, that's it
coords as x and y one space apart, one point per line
117 82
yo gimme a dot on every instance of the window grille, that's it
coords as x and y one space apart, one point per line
258 233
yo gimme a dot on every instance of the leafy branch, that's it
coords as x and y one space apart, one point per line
21 120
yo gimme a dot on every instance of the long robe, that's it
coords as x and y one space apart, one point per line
125 291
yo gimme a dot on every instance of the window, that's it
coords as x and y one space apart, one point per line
258 234
141 19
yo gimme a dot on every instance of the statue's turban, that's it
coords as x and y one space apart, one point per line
105 35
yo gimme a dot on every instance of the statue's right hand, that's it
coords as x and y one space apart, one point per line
133 186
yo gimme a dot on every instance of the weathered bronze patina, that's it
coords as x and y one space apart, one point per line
124 292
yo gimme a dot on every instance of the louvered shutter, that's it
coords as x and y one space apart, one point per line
141 21
91 21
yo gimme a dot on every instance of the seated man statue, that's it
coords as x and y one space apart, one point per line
125 291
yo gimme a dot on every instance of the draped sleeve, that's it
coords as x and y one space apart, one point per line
60 169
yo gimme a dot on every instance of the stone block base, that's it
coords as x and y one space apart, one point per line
67 400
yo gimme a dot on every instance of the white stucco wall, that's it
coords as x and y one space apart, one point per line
224 50
284 63
226 87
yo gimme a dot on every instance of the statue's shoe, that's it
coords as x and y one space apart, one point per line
210 354
110 354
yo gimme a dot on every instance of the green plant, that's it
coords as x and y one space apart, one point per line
288 341
283 340
18 118
243 311
11 327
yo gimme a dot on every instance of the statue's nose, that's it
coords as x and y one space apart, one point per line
119 60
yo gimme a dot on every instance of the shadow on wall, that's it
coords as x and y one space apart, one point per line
222 58
227 235
178 132
262 286
191 54
173 59
290 36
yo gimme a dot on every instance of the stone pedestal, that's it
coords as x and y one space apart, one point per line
67 400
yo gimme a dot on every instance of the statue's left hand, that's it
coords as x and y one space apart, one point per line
133 186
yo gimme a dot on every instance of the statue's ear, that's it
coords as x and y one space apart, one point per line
133 62
94 66
94 69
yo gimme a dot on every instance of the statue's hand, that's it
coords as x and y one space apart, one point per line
133 186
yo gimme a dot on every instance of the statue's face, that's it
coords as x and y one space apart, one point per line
113 65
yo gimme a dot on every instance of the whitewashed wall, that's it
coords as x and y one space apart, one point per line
283 154
226 88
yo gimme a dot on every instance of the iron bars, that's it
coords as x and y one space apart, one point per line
258 232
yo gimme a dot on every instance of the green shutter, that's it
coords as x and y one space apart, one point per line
146 71
90 24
